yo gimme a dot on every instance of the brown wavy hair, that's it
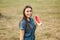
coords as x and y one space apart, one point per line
25 18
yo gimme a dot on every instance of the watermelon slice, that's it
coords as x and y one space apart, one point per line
38 21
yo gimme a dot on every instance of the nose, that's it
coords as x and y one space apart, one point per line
29 12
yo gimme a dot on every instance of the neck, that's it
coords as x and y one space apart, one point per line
28 19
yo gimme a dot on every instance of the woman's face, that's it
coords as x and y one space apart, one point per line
28 12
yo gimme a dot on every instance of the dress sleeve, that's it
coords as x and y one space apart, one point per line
33 23
22 25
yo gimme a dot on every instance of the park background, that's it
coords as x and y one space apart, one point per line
47 10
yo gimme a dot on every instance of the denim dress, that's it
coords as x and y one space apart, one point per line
28 34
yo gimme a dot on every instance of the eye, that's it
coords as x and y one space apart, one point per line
29 11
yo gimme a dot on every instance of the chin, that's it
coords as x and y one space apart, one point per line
29 16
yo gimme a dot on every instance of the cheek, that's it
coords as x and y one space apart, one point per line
31 13
26 13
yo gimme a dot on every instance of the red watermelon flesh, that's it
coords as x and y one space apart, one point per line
37 19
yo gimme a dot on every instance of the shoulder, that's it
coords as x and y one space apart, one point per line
31 19
22 22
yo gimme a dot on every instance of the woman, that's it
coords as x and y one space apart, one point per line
27 25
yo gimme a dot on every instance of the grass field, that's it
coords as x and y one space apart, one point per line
47 10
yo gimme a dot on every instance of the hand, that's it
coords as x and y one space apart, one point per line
38 24
37 21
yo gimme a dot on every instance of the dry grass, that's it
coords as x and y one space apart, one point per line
47 10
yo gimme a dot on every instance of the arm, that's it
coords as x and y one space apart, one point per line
21 34
22 26
36 24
